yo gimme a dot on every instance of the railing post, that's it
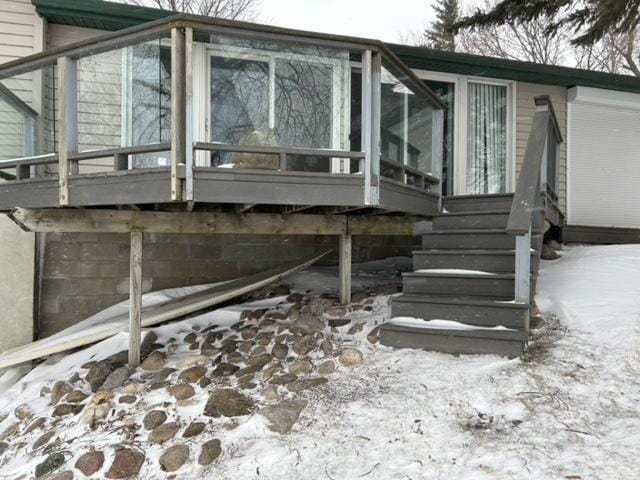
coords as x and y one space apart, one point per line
178 120
135 298
371 78
345 269
523 268
189 136
68 128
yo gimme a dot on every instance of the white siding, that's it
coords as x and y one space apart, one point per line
604 158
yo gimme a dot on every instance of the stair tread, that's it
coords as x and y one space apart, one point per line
460 300
468 251
458 273
475 212
471 331
478 197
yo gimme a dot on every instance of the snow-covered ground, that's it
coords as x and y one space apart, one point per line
569 409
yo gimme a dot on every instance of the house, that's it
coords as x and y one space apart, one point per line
132 110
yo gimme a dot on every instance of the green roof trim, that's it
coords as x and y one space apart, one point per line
112 16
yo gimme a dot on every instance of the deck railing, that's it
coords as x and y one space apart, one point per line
538 176
80 131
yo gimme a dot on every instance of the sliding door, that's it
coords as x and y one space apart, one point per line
487 121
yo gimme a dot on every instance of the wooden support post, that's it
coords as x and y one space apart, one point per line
121 161
523 268
178 112
345 269
135 298
68 129
189 128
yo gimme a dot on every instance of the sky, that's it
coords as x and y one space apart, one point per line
386 20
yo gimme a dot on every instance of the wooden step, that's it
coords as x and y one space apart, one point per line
508 343
494 239
467 203
495 261
478 220
478 311
466 284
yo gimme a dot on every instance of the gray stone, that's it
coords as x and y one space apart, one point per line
193 374
327 368
211 450
374 335
304 345
59 390
67 409
66 475
181 391
35 425
283 379
283 416
300 367
164 432
154 362
260 360
194 429
43 440
227 402
51 463
250 370
90 463
248 333
270 393
208 349
307 324
350 357
339 322
3 447
174 457
336 311
154 419
280 351
116 379
224 370
549 253
22 412
191 338
358 297
306 384
76 396
357 328
162 375
127 399
148 344
327 347
97 374
126 464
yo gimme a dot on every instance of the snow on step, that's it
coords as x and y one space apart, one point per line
440 324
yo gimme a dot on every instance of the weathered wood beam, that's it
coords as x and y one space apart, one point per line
125 221
345 269
68 125
178 112
135 298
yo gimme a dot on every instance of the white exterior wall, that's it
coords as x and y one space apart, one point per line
21 34
604 158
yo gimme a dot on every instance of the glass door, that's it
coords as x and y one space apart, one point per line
446 92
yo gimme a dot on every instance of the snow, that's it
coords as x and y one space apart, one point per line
455 271
567 409
439 323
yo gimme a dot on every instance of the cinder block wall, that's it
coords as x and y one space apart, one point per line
84 273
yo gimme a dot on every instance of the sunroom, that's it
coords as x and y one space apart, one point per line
196 113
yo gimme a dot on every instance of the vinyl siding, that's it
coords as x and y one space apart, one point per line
525 109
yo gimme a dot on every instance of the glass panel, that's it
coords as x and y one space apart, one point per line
124 99
265 93
487 139
392 118
27 111
446 92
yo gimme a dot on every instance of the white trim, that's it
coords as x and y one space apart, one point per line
568 163
608 98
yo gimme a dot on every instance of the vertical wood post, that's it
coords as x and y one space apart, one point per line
135 298
68 128
121 161
523 268
189 129
178 111
345 269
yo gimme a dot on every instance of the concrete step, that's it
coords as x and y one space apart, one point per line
494 239
468 203
485 312
508 343
495 261
460 283
485 220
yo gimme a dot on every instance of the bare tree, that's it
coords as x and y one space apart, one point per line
614 53
230 9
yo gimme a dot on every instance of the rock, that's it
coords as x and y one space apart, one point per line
258 350
23 412
66 475
358 297
270 393
295 298
10 431
194 429
3 447
336 311
120 359
154 362
59 390
271 371
76 396
247 385
204 381
283 416
164 432
224 370
259 360
327 348
191 338
356 328
133 388
43 440
207 349
102 397
90 463
338 322
35 425
66 409
174 457
193 374
350 357
245 347
234 357
162 375
181 391
154 419
280 291
98 374
211 450
280 351
276 316
304 345
94 413
148 344
283 379
187 362
51 463
227 402
306 384
250 370
126 464
257 314
88 365
307 324
248 333
300 367
374 335
548 252
116 379
327 368
127 399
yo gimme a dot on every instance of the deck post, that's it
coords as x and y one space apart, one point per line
68 129
189 129
178 117
135 298
523 268
345 269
